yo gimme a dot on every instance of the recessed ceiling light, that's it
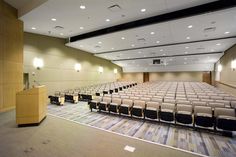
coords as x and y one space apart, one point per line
132 45
99 42
143 10
112 48
152 33
33 28
190 26
61 34
161 49
188 38
82 7
81 46
53 19
95 50
218 44
81 27
186 52
186 47
108 20
226 32
157 42
123 38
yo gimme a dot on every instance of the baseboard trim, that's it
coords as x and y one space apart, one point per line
7 109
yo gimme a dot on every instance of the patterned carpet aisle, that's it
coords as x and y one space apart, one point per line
178 137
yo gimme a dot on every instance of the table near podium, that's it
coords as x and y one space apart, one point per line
31 106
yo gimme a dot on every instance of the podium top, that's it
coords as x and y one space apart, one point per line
34 90
41 86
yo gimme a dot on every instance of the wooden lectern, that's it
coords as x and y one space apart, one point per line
31 106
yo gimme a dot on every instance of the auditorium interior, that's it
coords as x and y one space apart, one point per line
112 78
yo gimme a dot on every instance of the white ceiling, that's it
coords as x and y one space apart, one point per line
111 47
71 17
168 32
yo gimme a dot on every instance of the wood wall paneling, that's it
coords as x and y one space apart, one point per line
11 56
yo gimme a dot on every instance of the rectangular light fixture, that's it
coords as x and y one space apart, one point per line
233 64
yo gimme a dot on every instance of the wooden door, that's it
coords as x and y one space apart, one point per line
145 77
206 77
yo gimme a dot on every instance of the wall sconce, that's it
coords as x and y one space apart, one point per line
100 69
233 64
219 68
115 71
77 67
38 63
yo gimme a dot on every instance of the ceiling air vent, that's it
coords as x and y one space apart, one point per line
200 48
59 28
209 29
114 8
97 46
141 40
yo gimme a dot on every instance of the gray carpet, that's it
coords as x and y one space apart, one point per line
204 143
56 137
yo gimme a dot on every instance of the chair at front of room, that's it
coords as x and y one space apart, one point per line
152 110
225 119
104 104
167 112
203 116
126 106
115 105
184 114
138 108
95 102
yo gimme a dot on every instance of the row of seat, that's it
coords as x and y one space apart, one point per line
180 100
197 116
77 94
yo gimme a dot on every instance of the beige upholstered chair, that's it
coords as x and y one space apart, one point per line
203 116
184 114
104 104
114 105
152 110
167 112
126 106
225 119
138 108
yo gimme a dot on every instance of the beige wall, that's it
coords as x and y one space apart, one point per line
137 77
58 72
227 75
11 56
164 76
175 76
